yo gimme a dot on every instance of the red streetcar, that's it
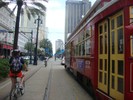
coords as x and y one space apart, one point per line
99 51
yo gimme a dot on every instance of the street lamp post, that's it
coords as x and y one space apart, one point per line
35 54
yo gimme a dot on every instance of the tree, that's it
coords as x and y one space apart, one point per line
2 4
36 9
29 46
58 50
47 45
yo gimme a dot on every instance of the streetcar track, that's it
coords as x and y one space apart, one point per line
28 77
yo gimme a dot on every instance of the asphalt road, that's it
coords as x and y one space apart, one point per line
48 83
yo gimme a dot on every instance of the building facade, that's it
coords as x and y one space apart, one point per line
7 23
75 11
59 45
27 26
23 39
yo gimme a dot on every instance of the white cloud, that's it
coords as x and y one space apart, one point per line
54 4
55 19
55 15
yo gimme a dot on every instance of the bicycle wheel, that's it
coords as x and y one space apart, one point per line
22 90
13 94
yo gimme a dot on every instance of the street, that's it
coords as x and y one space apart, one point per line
48 83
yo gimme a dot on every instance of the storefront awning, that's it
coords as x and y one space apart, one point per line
5 46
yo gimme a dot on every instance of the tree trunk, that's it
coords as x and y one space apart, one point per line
19 3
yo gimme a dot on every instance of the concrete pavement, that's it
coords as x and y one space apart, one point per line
35 85
48 83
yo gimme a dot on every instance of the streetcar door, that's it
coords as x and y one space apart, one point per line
111 56
116 87
103 56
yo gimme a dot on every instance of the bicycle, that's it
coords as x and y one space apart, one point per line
45 63
16 91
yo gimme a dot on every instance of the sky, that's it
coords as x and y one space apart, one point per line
55 20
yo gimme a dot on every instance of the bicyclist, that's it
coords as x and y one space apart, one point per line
12 74
45 61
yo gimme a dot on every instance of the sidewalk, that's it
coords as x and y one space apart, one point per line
5 85
36 84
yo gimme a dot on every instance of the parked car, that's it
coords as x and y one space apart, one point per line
26 57
63 61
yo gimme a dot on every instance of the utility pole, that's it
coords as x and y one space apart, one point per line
35 54
31 48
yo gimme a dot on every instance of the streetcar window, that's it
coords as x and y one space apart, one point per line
120 67
120 41
131 10
131 20
101 29
131 44
101 64
100 77
76 50
105 27
105 78
113 66
105 43
79 49
88 47
112 24
83 35
113 82
131 14
87 33
79 38
72 46
83 48
113 43
120 85
101 45
119 21
105 64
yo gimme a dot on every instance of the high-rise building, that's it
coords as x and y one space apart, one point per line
59 44
75 11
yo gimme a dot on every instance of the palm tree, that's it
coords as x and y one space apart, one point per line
31 10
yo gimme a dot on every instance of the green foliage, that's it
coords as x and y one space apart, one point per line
26 62
58 50
29 46
2 4
4 68
45 43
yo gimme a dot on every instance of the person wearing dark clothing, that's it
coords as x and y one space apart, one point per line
19 65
